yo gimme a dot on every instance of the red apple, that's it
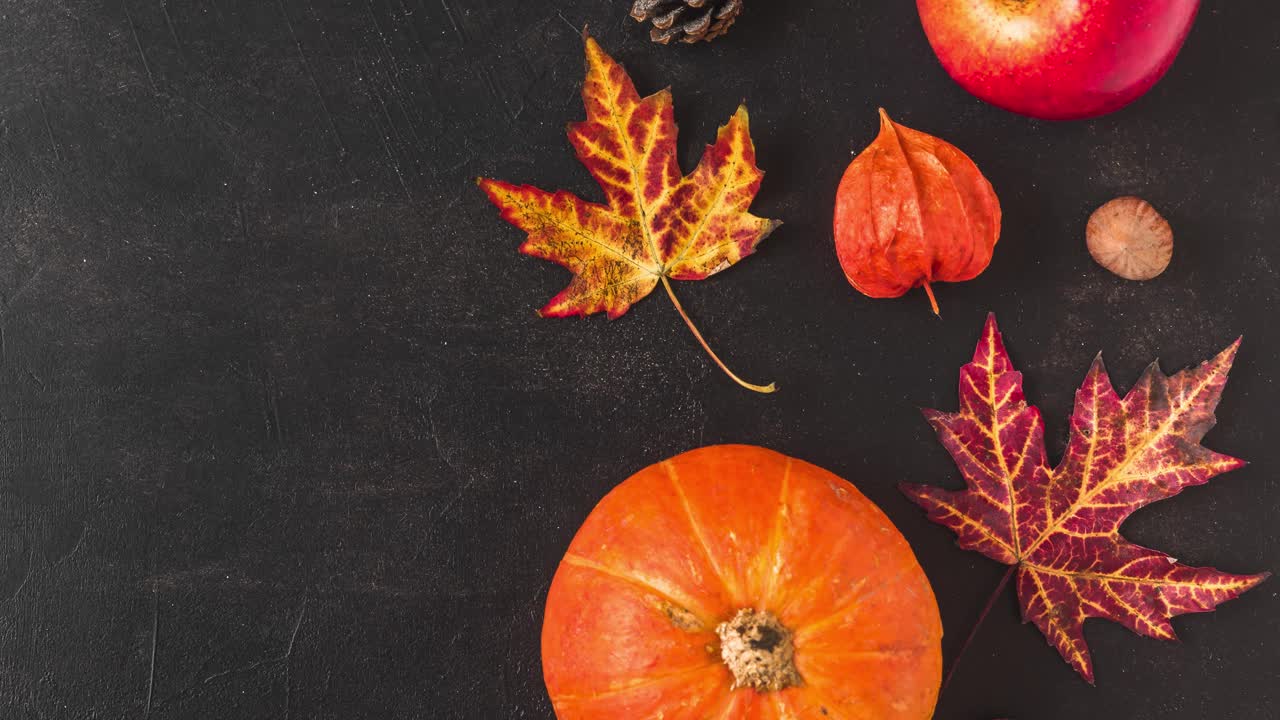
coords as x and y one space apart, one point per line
1057 59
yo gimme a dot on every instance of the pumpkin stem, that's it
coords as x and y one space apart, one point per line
933 301
680 309
757 649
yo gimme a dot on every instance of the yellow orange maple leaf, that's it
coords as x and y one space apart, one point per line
658 225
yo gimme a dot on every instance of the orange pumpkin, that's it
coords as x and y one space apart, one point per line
736 583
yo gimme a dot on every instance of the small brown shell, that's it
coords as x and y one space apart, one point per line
1128 237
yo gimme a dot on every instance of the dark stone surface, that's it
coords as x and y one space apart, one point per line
281 436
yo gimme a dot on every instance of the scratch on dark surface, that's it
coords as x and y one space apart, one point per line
471 154
31 549
9 301
576 30
155 631
236 670
244 231
496 91
457 30
448 505
138 41
327 189
155 596
395 164
407 15
36 378
435 436
282 658
206 111
274 430
288 653
333 127
297 625
168 21
447 207
84 532
393 77
391 126
57 154
373 18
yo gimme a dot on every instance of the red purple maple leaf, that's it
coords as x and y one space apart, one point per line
1060 527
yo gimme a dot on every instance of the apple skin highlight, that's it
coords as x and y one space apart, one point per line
1057 59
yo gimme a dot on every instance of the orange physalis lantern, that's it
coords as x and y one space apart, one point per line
913 210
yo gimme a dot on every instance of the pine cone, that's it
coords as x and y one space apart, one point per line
686 20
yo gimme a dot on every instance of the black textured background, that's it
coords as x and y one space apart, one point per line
281 436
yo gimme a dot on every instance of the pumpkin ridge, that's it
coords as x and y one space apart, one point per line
834 551
641 683
849 603
775 538
729 707
688 604
869 652
696 529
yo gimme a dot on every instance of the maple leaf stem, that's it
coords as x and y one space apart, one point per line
986 610
933 301
694 329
